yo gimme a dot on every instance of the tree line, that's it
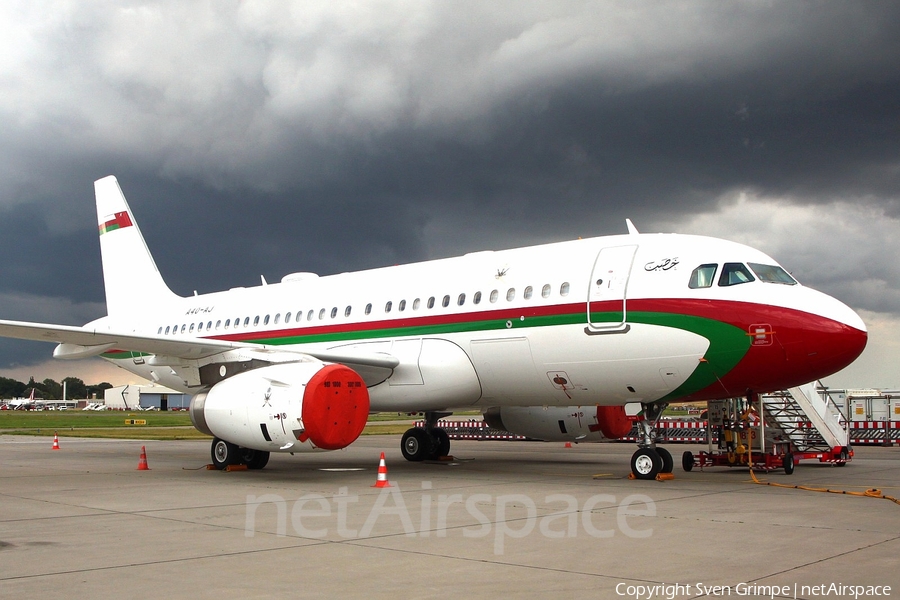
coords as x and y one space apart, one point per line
49 389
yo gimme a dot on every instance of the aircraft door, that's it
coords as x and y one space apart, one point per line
608 289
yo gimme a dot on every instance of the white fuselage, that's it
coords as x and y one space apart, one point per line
544 325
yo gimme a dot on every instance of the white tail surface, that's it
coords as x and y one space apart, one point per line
130 275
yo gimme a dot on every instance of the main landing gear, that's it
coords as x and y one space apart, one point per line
428 443
650 459
225 454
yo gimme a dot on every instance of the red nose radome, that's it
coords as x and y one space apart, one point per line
335 407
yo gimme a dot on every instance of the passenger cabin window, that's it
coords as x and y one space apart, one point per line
564 289
461 300
494 296
347 311
168 329
772 274
445 302
256 320
416 304
387 307
402 306
545 291
510 294
287 317
703 276
369 308
309 315
227 323
476 299
277 318
321 313
334 312
218 323
734 274
266 320
431 302
528 292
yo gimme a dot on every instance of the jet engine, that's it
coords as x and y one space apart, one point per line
561 423
289 407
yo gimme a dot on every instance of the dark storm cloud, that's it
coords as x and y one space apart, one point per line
269 138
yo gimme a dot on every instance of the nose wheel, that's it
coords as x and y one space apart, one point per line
646 463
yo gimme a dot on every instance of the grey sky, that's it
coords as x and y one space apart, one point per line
271 137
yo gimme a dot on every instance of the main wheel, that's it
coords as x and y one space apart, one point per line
254 459
668 463
687 460
646 463
224 453
441 442
788 463
416 444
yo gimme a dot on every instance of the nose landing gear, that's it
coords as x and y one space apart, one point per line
650 460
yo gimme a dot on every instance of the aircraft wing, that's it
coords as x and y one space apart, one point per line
82 342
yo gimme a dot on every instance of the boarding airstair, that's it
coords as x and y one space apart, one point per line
808 417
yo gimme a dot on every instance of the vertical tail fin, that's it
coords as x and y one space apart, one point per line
130 275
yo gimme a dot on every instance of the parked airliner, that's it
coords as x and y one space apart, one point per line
633 319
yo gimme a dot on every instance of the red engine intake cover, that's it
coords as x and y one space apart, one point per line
335 407
613 421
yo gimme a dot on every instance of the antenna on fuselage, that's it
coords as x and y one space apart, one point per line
632 230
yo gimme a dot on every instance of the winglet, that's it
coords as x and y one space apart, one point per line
632 230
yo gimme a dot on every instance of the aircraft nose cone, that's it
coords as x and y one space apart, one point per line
836 349
833 338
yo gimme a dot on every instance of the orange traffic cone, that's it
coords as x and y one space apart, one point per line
142 464
568 444
55 441
382 481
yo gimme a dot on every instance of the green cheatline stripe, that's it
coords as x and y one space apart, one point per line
727 343
727 346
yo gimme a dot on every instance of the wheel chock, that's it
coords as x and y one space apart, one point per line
659 476
210 467
231 468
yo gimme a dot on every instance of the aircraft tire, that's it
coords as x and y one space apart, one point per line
668 463
788 463
646 463
254 459
224 453
441 442
416 445
687 461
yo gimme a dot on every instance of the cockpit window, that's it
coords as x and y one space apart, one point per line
734 274
703 276
772 274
